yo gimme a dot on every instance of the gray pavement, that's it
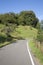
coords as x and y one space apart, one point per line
15 54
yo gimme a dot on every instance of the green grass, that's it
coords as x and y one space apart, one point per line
36 51
4 44
25 32
1 26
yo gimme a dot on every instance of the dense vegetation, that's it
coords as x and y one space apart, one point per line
23 18
10 21
40 33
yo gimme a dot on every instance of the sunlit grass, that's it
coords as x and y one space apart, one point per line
36 51
25 32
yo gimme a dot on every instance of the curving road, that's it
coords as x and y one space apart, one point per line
15 54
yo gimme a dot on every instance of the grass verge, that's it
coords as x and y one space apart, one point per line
6 43
36 51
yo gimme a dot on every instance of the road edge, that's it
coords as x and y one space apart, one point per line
30 54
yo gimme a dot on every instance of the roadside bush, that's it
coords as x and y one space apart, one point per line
2 38
40 40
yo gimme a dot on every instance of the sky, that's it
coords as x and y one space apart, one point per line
17 6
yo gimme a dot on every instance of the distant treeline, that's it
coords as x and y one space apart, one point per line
22 18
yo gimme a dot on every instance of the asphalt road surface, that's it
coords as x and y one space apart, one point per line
15 54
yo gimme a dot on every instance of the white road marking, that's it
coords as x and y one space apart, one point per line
30 54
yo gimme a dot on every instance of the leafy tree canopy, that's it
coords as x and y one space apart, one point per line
22 18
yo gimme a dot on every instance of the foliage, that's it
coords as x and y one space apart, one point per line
40 32
38 26
23 18
28 18
41 24
2 38
8 18
40 36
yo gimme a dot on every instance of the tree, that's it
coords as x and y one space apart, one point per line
8 18
40 36
23 18
28 18
41 24
38 26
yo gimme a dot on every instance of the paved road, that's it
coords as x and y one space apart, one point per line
15 54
